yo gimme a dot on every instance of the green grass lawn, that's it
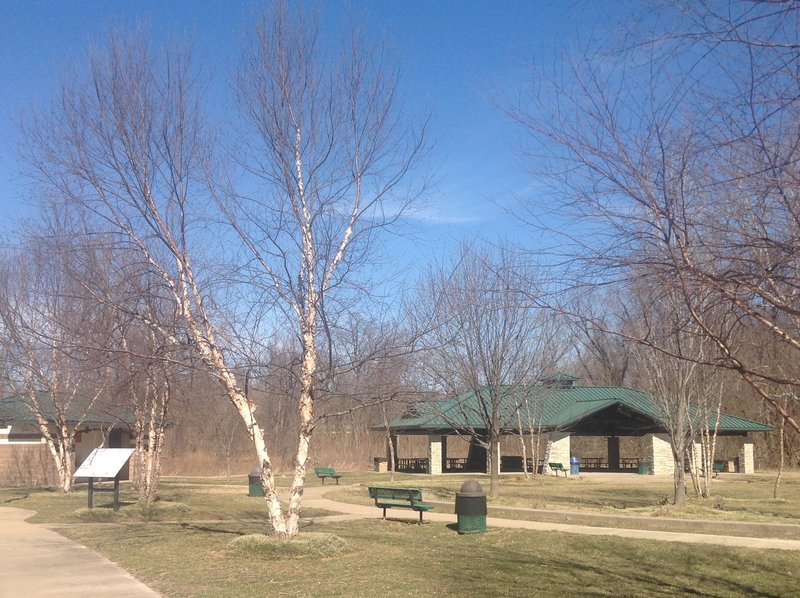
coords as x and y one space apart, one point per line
181 546
735 497
178 501
403 559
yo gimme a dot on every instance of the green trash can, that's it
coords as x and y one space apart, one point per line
471 508
255 488
644 467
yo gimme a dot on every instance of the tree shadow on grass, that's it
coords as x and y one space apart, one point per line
211 530
14 499
622 567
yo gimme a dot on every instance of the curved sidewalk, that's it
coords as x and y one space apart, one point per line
38 562
316 498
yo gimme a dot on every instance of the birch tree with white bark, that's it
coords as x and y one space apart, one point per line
681 387
327 144
54 339
127 145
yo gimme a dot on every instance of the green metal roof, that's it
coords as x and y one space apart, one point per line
594 410
15 409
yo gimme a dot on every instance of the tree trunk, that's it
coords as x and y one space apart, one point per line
679 478
494 465
781 453
307 373
522 444
390 444
63 453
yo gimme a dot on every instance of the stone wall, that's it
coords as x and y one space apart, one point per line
26 465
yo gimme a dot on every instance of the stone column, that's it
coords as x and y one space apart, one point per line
660 455
747 459
613 453
435 454
496 463
444 453
559 449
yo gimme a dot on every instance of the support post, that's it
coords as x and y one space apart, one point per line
660 455
747 458
560 450
435 454
613 453
496 463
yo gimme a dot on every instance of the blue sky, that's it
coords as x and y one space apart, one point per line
453 57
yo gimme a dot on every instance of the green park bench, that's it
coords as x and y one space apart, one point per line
327 472
402 498
557 467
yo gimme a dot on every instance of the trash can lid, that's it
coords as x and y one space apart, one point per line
471 488
574 459
256 472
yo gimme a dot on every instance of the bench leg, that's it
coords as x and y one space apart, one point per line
337 481
384 513
420 518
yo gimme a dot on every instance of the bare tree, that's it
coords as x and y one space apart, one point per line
54 339
328 148
677 161
148 377
127 147
605 358
679 385
491 341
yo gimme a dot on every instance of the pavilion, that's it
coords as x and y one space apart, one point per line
558 409
24 457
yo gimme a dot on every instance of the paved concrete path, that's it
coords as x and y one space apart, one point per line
314 497
37 562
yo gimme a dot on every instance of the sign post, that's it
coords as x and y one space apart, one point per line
104 464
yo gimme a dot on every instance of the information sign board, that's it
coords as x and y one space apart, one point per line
104 463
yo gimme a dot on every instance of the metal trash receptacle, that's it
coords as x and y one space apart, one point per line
254 485
644 467
574 466
471 508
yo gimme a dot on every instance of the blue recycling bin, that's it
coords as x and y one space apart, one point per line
574 465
